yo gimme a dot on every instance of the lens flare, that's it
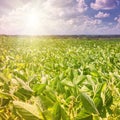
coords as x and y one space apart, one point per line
32 21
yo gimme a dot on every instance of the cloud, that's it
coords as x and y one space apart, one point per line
82 6
6 6
55 17
65 9
102 15
52 20
117 19
104 4
15 20
60 3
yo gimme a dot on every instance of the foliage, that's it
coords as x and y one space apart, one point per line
59 79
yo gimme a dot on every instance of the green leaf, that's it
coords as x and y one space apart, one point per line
79 80
98 102
82 115
45 102
88 104
71 74
89 86
57 112
3 78
96 117
103 112
108 97
23 94
20 76
23 84
38 88
4 102
27 111
86 71
50 94
90 117
5 95
94 73
64 114
67 83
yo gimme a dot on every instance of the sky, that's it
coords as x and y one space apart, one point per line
59 17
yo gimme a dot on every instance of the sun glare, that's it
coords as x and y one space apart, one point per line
32 21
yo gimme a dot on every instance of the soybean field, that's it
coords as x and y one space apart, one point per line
57 78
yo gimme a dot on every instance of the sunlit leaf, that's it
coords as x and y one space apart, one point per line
27 111
88 104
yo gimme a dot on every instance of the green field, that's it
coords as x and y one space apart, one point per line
55 78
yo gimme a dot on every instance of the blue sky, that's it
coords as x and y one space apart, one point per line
49 17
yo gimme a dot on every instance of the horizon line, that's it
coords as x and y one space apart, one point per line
60 35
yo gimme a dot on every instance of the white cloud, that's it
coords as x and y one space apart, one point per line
55 17
82 6
102 15
118 21
104 4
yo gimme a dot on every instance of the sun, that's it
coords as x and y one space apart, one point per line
32 21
